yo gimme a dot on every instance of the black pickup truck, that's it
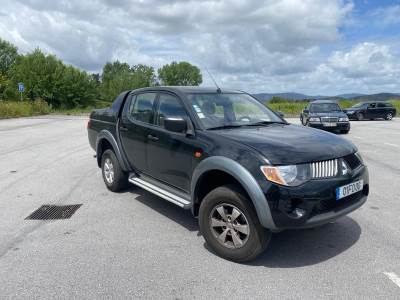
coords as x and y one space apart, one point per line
239 167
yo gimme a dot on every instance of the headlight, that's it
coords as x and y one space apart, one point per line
359 157
343 119
292 175
314 119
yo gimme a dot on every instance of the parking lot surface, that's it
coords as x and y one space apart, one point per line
136 245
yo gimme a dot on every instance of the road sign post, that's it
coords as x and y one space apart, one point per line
21 89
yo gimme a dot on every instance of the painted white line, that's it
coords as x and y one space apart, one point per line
393 277
393 145
358 137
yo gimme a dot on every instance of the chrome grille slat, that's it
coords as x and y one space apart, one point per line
324 169
329 119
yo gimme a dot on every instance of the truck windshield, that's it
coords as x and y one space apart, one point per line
324 107
218 110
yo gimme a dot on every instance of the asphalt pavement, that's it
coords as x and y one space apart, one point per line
136 245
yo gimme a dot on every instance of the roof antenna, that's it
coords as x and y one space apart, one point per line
218 89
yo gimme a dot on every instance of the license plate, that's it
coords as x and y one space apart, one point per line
326 124
349 189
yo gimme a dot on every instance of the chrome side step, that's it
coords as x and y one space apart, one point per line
156 190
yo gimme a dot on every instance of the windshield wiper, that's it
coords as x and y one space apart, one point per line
224 127
265 123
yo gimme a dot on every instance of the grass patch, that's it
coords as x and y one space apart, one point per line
14 109
17 109
396 103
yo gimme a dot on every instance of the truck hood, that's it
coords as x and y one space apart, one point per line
285 144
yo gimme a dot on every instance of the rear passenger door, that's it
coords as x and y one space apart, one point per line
372 111
136 120
382 110
170 154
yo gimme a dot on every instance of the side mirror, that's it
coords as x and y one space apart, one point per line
175 124
306 111
280 114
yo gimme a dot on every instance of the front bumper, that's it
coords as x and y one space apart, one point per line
317 198
337 126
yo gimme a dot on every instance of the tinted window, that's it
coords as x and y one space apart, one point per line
169 107
324 107
360 105
384 105
141 108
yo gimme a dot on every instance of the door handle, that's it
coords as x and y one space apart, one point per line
123 128
152 137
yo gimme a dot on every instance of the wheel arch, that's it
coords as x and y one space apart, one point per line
105 140
223 166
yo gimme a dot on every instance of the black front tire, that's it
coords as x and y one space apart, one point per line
389 117
257 238
118 181
360 116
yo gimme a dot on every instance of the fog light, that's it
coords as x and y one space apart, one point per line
298 212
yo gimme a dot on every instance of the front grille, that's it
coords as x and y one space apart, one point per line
329 119
324 169
353 161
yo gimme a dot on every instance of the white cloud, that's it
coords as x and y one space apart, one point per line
253 45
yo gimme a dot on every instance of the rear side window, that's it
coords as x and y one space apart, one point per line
141 108
169 107
385 105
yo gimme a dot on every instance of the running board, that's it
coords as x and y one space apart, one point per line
156 190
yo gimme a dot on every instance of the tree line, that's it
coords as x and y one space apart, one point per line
64 86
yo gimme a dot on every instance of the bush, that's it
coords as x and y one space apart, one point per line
13 109
289 108
396 103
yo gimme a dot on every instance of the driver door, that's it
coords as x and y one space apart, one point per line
170 154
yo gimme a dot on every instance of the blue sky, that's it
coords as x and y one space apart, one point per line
309 46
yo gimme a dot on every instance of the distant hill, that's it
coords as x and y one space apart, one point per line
290 96
356 96
378 97
350 96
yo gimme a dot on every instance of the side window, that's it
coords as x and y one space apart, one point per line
169 107
381 105
141 108
372 105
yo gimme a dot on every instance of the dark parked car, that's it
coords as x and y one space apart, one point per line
371 110
239 167
327 115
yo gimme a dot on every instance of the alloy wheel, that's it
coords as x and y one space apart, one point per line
109 171
229 225
389 116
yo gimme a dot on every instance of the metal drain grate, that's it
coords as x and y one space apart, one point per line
53 212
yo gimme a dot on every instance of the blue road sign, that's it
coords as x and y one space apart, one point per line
21 87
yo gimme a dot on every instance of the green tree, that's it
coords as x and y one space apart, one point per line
118 77
77 89
41 75
48 78
182 73
5 88
8 55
